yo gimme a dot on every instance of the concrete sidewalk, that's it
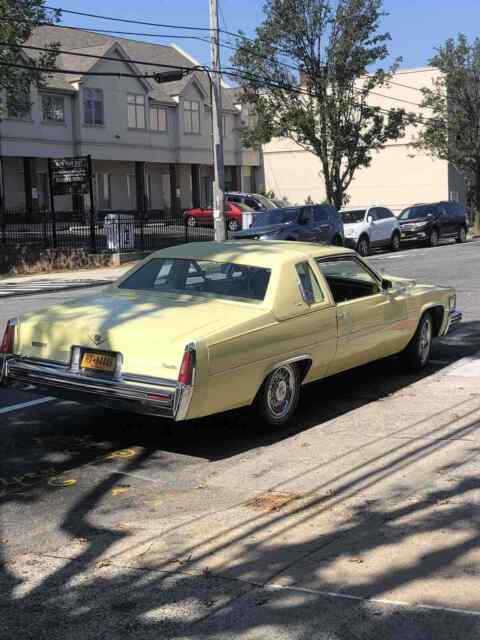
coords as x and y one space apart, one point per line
60 281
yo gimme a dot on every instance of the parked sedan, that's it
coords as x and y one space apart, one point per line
310 223
203 216
203 328
366 229
428 223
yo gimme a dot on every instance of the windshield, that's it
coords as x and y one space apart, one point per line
265 202
353 216
200 278
275 216
421 211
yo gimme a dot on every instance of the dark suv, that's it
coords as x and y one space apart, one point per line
430 222
309 223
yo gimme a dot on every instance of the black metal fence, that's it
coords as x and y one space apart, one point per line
122 232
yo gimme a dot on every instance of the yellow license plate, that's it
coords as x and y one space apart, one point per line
99 362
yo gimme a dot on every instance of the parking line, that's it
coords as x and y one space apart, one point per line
26 405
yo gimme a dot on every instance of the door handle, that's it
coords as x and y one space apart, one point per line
341 315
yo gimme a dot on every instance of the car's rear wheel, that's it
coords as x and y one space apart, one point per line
233 225
191 221
416 355
462 235
395 241
433 238
363 246
279 395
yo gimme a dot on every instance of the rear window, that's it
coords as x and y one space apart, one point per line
276 216
350 217
200 278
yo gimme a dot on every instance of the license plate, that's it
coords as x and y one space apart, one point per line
99 362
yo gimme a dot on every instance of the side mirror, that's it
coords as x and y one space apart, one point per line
370 219
386 284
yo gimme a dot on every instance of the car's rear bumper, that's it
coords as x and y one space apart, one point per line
138 394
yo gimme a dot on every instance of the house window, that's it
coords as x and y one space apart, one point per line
19 106
136 111
191 110
53 109
158 119
93 106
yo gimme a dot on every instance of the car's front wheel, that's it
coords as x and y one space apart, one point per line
337 241
395 241
363 246
462 235
279 395
417 353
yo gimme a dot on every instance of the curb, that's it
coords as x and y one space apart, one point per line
72 287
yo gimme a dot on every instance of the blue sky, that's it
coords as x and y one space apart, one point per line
416 26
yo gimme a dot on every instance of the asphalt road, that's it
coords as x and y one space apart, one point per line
102 514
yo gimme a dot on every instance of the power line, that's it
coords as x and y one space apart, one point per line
98 57
131 33
49 70
229 71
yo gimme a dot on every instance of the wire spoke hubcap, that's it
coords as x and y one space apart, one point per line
281 391
425 341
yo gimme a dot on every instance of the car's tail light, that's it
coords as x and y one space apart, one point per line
187 368
8 338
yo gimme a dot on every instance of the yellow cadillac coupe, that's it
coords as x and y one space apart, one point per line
208 327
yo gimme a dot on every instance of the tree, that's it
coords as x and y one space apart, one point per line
451 131
18 19
306 73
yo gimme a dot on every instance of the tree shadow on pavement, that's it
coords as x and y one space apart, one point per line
257 578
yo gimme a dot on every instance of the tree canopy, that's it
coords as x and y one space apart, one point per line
17 22
309 72
451 130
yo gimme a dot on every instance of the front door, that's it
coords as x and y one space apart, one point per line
370 321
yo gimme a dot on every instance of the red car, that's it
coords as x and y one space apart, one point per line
201 217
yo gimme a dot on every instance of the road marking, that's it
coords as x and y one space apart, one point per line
26 405
394 603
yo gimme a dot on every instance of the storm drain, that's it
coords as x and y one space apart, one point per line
272 501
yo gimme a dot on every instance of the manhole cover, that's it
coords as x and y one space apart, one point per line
272 501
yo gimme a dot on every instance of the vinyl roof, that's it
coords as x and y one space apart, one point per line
251 252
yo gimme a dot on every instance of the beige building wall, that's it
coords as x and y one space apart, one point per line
398 176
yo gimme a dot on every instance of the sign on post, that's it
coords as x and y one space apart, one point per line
70 176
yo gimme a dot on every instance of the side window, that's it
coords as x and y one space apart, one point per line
308 285
386 214
373 213
348 279
236 199
320 214
253 204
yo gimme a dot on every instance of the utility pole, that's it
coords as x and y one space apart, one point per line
216 85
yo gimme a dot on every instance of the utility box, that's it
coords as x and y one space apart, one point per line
120 231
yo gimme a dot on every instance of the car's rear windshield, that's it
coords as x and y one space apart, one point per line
420 211
275 216
199 278
353 216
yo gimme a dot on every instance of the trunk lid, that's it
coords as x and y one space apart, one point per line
150 330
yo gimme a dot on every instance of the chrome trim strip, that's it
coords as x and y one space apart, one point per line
454 319
289 361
